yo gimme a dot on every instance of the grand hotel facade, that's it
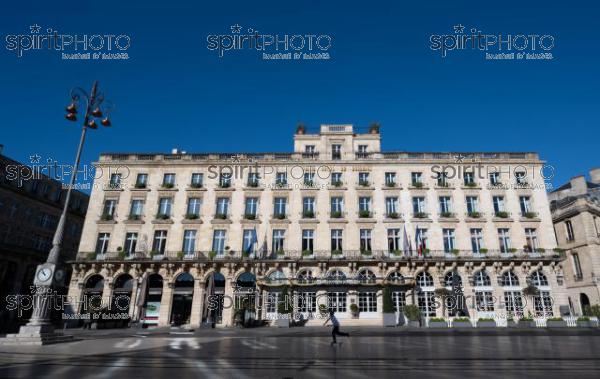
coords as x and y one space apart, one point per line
333 223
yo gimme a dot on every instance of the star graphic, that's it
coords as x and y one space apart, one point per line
459 28
235 29
35 28
459 158
34 158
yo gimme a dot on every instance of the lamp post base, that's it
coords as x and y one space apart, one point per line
35 335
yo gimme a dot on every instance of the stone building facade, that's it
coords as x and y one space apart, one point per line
575 210
331 224
30 207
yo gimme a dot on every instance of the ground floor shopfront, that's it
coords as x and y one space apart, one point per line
223 293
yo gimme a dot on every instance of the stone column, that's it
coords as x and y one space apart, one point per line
166 302
133 299
228 303
197 303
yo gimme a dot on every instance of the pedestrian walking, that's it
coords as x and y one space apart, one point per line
336 327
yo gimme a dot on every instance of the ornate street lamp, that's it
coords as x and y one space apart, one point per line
39 328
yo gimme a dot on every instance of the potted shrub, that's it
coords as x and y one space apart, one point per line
396 253
336 214
420 215
307 253
212 254
512 250
417 184
502 214
363 183
462 322
584 322
389 313
413 314
446 214
483 250
120 253
474 214
438 322
470 184
280 253
180 255
336 183
530 215
308 214
156 255
91 256
191 216
455 252
364 214
393 215
526 321
354 310
365 252
336 253
556 322
485 322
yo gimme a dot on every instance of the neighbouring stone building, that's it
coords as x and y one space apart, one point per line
575 210
30 207
332 223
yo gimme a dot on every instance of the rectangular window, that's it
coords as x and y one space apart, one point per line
197 180
442 179
337 205
504 240
336 301
219 239
448 235
102 243
543 304
416 178
308 240
281 179
476 240
576 266
189 241
130 243
495 178
336 179
484 301
426 302
141 181
336 240
365 240
472 205
521 177
391 206
513 301
159 244
307 302
399 300
193 208
363 179
168 180
445 204
393 236
278 239
531 239
249 241
525 204
569 230
222 207
115 181
418 204
308 207
309 178
498 202
390 179
164 206
309 149
336 151
469 178
364 204
279 206
272 301
367 302
108 213
253 179
251 207
225 180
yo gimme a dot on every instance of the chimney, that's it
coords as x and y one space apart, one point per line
595 175
578 185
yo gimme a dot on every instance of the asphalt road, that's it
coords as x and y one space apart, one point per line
308 354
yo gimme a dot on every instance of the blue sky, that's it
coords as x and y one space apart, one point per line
174 92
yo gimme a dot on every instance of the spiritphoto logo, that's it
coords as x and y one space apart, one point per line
272 46
72 46
496 46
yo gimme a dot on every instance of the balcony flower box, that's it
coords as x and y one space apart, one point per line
393 215
336 253
502 214
363 183
308 214
135 217
252 184
195 185
279 216
556 322
168 185
191 216
420 215
486 323
366 253
390 184
336 214
140 185
162 216
221 216
474 214
462 322
336 183
530 214
364 214
446 214
417 184
250 216
470 184
438 323
107 217
307 253
156 256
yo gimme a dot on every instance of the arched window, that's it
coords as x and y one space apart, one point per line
424 279
305 277
95 282
124 282
538 279
184 280
155 281
449 279
509 279
336 275
246 280
395 277
482 279
276 276
366 276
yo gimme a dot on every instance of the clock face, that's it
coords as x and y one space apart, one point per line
44 274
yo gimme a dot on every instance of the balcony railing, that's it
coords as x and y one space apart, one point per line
351 255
